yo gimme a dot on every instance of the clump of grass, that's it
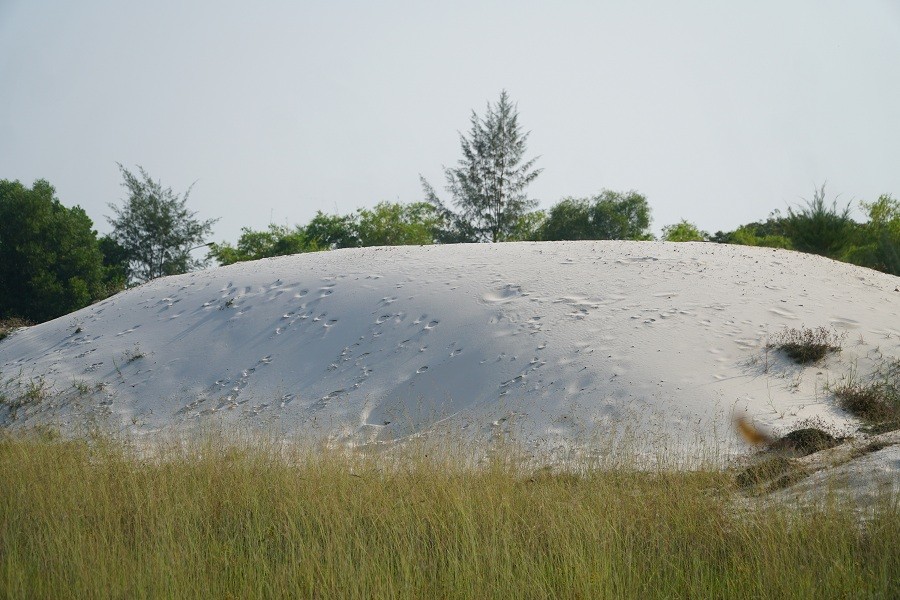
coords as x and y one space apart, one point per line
81 387
217 519
872 402
805 345
17 393
772 472
8 326
876 401
133 354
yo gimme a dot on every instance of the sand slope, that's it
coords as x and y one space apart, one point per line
557 343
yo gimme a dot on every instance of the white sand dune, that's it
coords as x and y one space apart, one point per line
555 343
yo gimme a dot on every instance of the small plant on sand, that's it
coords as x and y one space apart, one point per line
877 401
133 354
36 391
81 387
17 394
805 345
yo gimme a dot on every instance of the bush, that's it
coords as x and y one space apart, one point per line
50 262
807 441
683 231
820 229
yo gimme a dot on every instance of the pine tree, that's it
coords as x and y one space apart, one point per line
156 229
488 185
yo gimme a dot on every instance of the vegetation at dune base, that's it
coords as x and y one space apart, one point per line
219 519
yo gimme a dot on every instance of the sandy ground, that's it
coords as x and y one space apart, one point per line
560 346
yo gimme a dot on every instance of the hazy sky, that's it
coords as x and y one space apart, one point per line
718 112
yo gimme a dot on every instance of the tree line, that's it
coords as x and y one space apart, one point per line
52 262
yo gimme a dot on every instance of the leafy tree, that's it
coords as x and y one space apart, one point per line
878 241
488 185
156 229
608 216
50 263
395 224
528 227
115 264
683 231
254 245
818 228
330 232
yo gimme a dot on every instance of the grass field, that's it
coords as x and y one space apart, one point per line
93 519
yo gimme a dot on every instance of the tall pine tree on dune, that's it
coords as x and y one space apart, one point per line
488 184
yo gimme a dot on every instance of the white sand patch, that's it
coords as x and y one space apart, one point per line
557 344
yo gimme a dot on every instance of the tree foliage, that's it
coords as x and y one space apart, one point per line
607 216
156 229
488 184
769 233
254 245
50 262
387 224
395 224
877 243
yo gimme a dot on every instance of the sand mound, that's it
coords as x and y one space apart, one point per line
556 344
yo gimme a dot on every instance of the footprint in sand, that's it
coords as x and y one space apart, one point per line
844 322
504 294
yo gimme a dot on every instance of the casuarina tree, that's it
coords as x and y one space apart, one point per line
156 229
488 184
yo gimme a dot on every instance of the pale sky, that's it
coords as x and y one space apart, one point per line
718 112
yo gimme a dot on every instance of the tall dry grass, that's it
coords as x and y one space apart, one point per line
95 519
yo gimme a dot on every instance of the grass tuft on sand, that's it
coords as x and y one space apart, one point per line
224 519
